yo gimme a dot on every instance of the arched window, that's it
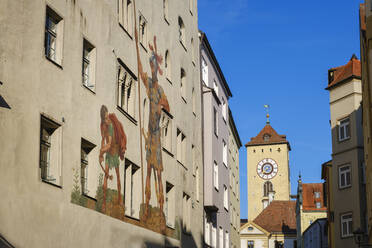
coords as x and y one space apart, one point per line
268 187
183 84
167 65
181 27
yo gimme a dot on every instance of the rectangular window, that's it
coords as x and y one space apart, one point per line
250 244
317 194
227 239
183 84
126 15
86 148
344 174
225 198
143 31
126 90
170 205
215 87
318 205
207 230
193 157
215 175
214 235
186 213
50 151
204 71
344 129
220 234
346 225
89 66
197 183
53 36
193 101
224 109
224 153
166 131
181 147
165 10
132 195
215 121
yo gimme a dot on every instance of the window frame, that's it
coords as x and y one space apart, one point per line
341 173
215 175
57 34
91 65
350 232
344 129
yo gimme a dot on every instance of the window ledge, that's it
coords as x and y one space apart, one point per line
143 47
168 152
344 187
182 164
50 183
343 140
171 227
89 197
166 20
131 217
193 63
126 31
127 115
216 189
53 62
184 99
91 91
194 114
169 80
184 47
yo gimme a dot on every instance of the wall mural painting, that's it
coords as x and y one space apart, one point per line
108 200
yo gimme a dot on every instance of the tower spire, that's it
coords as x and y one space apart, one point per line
266 106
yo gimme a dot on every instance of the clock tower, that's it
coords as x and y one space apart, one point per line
267 170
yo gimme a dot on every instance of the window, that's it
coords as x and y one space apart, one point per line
225 198
192 51
207 227
224 153
86 148
344 129
183 84
344 176
89 65
165 10
266 137
220 234
193 101
317 194
132 196
204 71
186 213
215 175
268 187
215 121
166 131
215 87
126 15
143 31
224 109
170 205
50 151
197 179
167 65
346 225
214 235
53 36
191 6
250 244
279 244
126 90
181 147
318 205
181 29
227 239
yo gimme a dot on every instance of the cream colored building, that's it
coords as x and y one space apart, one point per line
267 170
348 178
233 161
75 164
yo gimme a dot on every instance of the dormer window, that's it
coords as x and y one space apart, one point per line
266 137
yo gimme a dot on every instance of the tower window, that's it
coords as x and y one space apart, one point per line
268 187
266 137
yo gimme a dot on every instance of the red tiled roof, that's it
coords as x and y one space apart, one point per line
344 72
308 196
274 137
279 216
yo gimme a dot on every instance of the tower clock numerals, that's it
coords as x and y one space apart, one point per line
267 168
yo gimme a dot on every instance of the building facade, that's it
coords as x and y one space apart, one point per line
348 187
105 112
365 20
328 195
233 161
315 236
309 207
216 94
267 170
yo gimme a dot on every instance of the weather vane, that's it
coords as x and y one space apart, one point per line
266 106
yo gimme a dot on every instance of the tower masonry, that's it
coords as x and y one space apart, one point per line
267 170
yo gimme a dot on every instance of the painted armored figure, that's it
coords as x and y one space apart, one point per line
113 145
157 101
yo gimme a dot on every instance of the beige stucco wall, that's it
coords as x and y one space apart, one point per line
255 183
345 101
36 214
307 216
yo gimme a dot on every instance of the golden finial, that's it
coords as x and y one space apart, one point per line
266 106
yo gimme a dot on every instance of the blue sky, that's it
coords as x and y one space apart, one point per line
278 53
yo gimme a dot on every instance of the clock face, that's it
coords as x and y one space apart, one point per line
267 168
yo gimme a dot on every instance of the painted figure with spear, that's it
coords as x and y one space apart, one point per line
157 102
